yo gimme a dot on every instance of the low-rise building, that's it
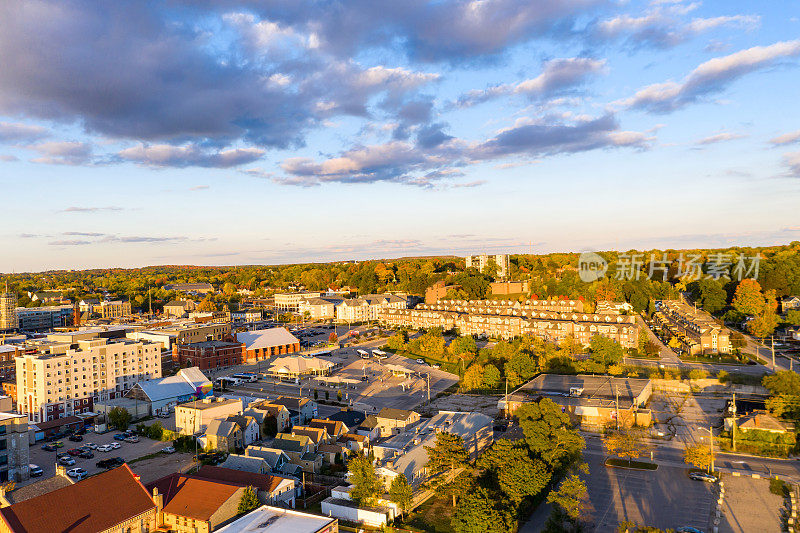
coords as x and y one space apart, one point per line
277 461
43 318
194 417
290 301
268 519
251 431
115 309
322 308
271 490
191 288
223 436
179 308
392 421
292 367
262 344
368 307
341 506
272 418
163 394
695 330
209 355
306 409
13 493
504 288
300 449
247 463
14 445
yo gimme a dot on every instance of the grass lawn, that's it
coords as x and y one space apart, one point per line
722 360
433 515
636 465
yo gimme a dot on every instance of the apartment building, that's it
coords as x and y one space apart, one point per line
480 262
43 318
696 331
290 301
57 378
184 332
8 315
193 417
115 309
506 320
320 308
179 308
14 444
368 307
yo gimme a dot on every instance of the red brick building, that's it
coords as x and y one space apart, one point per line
209 355
263 344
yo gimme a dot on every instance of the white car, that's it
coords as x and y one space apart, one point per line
90 445
105 448
169 449
115 445
421 361
77 473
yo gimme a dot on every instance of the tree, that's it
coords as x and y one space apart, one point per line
119 417
571 496
339 395
447 453
711 295
698 455
491 377
473 378
515 472
793 317
481 511
626 443
764 324
333 338
207 305
366 485
784 390
397 341
547 433
605 351
249 501
400 492
748 298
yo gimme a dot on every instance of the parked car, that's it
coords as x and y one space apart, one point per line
62 455
74 452
132 438
35 470
421 361
49 448
688 529
86 454
75 438
168 449
115 445
77 473
58 444
90 445
163 415
112 462
66 461
105 448
703 476
121 436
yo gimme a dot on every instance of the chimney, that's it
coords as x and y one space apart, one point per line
158 499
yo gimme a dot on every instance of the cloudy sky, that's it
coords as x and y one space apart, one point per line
243 131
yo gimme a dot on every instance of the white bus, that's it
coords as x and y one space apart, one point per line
379 354
246 376
226 381
363 354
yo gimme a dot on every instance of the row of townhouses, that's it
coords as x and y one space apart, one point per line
696 331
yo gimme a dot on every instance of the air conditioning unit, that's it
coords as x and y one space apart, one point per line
575 391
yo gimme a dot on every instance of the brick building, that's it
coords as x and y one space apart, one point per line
209 355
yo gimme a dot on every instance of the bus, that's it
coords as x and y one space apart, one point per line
378 354
226 381
363 354
246 376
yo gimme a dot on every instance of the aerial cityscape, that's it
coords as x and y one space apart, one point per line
449 266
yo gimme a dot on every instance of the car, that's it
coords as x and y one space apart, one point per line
61 455
90 445
35 470
58 444
105 448
703 476
168 449
688 529
121 436
86 454
115 445
132 438
163 415
66 461
435 366
49 448
77 473
74 452
75 438
112 462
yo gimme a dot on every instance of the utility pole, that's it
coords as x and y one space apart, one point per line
428 376
711 447
733 426
506 413
773 352
616 404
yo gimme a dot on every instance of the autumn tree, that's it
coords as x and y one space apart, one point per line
473 378
207 305
698 455
625 443
547 433
748 298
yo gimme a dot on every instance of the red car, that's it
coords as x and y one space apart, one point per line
74 452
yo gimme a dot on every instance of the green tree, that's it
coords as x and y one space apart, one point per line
570 498
784 390
605 351
491 377
481 511
400 492
249 501
748 298
515 472
119 417
548 434
698 455
447 453
432 344
366 486
625 443
793 317
710 295
397 341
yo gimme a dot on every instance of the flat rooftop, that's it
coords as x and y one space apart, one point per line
267 519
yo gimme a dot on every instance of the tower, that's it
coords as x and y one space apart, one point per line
8 310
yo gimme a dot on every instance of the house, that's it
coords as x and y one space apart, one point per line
110 501
391 420
340 505
331 453
269 519
349 417
271 490
193 417
224 436
591 401
316 434
163 394
262 344
246 463
179 308
277 460
306 408
320 308
790 303
334 428
762 421
189 504
353 442
370 428
300 449
251 432
271 417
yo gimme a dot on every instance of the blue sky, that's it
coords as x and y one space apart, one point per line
240 132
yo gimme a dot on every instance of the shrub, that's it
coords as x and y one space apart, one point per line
723 376
698 373
779 487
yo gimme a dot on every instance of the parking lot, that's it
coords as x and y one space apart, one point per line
127 451
748 505
664 498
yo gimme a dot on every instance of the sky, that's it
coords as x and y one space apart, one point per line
224 132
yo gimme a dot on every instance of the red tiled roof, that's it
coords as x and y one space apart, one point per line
263 482
193 497
95 504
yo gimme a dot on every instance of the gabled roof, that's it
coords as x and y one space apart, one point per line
38 488
333 427
290 443
371 422
264 482
245 463
271 455
97 503
221 428
192 496
266 338
316 435
184 383
395 414
349 418
241 421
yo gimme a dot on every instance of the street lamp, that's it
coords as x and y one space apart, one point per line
710 447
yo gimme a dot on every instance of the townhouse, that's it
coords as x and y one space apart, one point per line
695 330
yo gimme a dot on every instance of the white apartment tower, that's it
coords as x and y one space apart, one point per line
480 261
8 313
66 378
